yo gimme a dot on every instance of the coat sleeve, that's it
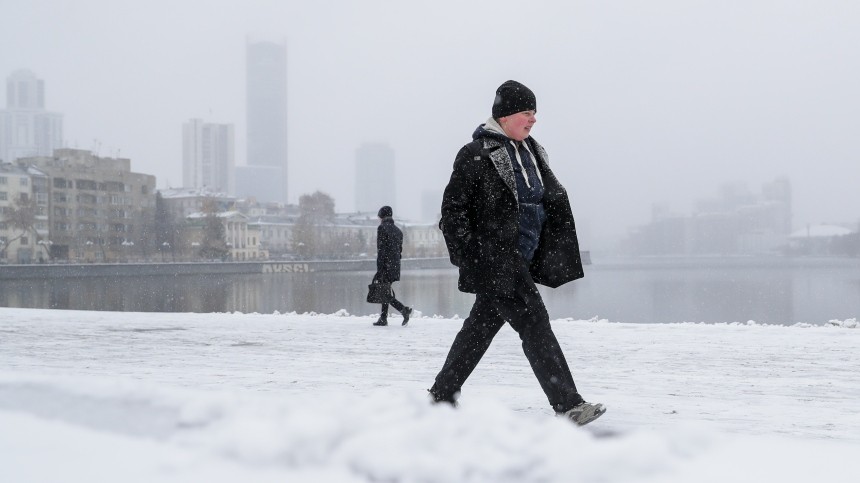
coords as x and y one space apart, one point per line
456 224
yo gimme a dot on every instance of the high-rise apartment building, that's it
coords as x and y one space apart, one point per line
26 128
266 95
208 156
374 177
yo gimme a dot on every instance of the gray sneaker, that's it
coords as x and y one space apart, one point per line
584 413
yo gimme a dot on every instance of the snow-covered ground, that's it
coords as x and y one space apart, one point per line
106 396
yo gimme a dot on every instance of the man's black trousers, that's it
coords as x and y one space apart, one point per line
394 303
526 313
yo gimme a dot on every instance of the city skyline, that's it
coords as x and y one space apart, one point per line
635 105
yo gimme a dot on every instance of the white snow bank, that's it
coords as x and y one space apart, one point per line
252 397
382 436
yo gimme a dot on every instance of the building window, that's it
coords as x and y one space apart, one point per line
86 184
25 181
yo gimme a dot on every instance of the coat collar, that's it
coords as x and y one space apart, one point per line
503 163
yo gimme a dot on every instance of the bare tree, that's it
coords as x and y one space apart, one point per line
21 216
315 210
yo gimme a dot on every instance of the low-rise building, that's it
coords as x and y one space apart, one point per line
241 239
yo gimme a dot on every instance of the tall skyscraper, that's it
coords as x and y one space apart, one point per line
26 128
208 156
374 177
266 84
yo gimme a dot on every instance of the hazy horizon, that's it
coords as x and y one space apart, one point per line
638 103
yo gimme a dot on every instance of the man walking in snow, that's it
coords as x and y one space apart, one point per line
508 224
389 245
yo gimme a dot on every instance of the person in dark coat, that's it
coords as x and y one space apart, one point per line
389 245
508 225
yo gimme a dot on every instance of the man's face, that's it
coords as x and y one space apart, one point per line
518 126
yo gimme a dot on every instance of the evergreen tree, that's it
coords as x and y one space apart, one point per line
214 244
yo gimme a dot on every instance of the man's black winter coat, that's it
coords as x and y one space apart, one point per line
480 222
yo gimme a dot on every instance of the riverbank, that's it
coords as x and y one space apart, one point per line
766 290
268 267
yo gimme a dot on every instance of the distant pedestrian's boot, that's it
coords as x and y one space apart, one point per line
381 322
406 313
584 413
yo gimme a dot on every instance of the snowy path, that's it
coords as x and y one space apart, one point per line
332 397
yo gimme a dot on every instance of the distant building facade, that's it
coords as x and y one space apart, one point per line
241 237
423 240
26 128
266 98
275 222
826 239
736 222
20 186
97 208
184 202
82 208
208 156
374 177
187 209
348 236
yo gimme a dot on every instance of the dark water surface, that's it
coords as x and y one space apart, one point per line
735 290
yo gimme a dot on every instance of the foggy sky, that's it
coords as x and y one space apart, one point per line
638 102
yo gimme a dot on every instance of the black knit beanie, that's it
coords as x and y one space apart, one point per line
385 212
511 98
